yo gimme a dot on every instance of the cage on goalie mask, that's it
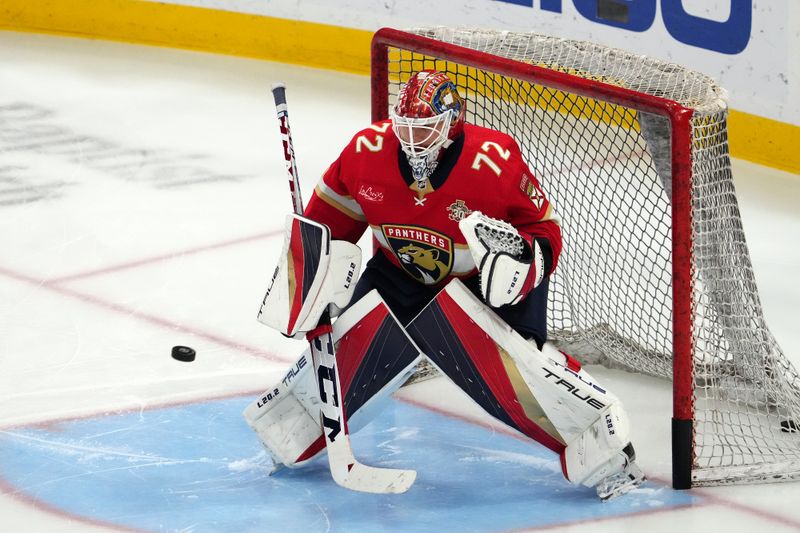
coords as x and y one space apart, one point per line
428 113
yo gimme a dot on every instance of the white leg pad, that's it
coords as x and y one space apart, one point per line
286 417
590 420
597 452
288 431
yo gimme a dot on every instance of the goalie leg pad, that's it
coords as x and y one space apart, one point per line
313 272
544 394
597 453
285 417
374 357
457 344
602 455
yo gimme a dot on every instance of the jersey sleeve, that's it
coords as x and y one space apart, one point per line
530 211
332 203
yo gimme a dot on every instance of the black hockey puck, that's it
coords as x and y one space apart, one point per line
183 353
789 426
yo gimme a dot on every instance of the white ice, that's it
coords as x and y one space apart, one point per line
119 261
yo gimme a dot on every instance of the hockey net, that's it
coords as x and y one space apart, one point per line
633 152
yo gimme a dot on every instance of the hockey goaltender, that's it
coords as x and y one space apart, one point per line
466 243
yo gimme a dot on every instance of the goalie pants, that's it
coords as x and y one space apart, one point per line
407 297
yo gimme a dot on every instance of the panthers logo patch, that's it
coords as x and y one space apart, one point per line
424 254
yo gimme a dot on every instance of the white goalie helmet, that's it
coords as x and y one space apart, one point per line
428 116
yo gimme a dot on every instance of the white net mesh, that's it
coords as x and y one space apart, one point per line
607 168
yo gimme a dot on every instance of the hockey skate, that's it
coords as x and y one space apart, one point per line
624 481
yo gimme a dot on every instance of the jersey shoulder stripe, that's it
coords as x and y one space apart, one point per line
345 204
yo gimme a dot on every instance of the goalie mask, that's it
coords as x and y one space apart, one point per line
428 116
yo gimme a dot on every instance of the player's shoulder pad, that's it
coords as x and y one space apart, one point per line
371 138
500 148
478 135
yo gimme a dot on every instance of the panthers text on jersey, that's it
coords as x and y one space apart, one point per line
416 227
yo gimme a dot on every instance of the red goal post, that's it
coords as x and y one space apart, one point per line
563 99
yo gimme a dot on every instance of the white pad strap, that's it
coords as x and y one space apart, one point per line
508 266
313 273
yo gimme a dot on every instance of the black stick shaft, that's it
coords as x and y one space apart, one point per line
279 93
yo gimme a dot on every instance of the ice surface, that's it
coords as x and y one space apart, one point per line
142 196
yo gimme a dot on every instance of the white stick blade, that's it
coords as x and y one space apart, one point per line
363 478
350 474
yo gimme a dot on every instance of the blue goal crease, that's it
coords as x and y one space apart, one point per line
200 468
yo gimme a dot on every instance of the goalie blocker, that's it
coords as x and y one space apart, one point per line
313 274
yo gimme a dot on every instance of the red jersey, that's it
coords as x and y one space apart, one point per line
371 185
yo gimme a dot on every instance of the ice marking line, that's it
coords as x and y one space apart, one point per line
595 519
164 257
470 420
708 499
29 488
45 424
105 451
151 319
646 512
158 321
747 509
602 161
44 507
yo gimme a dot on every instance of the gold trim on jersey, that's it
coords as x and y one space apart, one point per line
551 215
421 191
344 204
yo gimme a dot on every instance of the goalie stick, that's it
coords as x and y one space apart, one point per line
345 469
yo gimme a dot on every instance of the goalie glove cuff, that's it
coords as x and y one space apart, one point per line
509 266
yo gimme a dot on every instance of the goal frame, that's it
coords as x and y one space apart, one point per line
680 118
